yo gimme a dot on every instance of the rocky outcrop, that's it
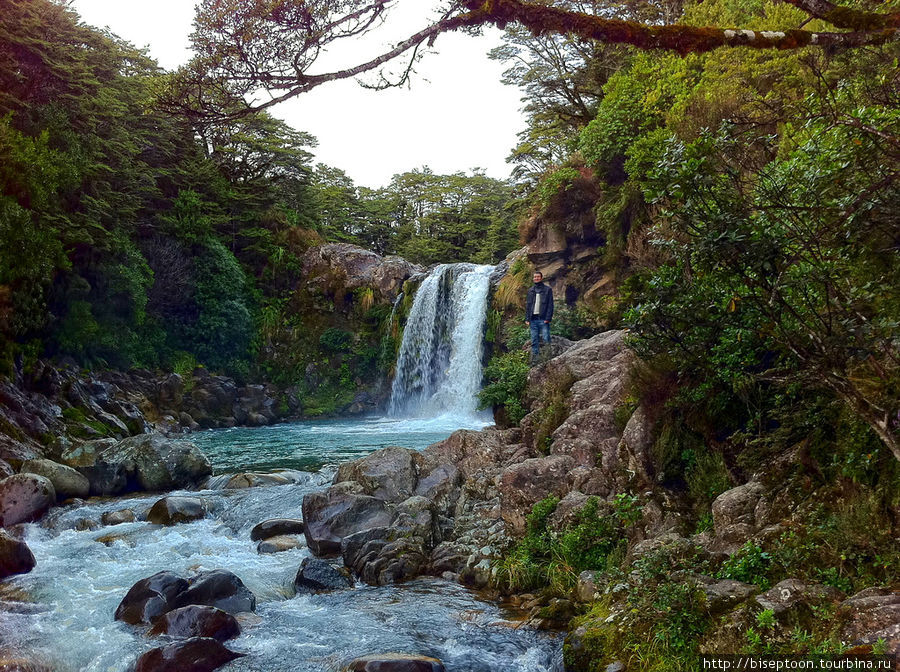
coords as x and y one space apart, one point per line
338 512
872 615
15 556
24 498
356 268
198 654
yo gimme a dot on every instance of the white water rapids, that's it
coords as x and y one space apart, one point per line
62 612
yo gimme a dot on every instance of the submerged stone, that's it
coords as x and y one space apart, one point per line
197 654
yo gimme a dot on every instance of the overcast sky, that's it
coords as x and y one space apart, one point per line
456 116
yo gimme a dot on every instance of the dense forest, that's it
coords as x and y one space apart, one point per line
135 237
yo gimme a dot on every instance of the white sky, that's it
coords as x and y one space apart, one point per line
456 115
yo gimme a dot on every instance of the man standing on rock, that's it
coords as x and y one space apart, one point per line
538 313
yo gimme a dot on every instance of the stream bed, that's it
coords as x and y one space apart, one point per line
62 612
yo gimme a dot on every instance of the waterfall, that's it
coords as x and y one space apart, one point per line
439 366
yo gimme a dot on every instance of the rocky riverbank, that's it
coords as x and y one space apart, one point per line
583 466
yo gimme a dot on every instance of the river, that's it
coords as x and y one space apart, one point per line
62 612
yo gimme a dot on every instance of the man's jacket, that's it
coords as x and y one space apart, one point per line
545 309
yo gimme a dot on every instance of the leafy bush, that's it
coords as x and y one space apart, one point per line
506 377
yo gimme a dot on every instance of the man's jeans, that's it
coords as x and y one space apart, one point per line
539 329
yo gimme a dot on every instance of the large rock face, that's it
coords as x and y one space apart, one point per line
388 474
24 498
357 268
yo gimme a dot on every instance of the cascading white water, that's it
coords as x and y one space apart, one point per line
439 367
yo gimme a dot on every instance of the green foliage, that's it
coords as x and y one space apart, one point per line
749 564
552 559
334 339
506 376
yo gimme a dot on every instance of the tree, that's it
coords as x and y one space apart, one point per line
244 48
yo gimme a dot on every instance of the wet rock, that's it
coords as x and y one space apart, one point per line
254 480
15 556
276 527
331 515
150 597
395 662
118 517
316 575
388 474
380 556
105 476
284 542
66 481
15 663
174 510
523 485
198 654
197 620
218 588
25 498
5 469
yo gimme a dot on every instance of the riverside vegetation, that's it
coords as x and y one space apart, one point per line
724 476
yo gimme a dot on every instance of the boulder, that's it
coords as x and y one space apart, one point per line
66 481
118 517
276 527
388 474
384 555
218 588
277 544
161 464
523 485
251 480
395 662
338 512
151 597
24 498
724 595
356 268
197 620
791 599
197 654
174 510
441 486
736 506
149 462
316 576
15 556
870 615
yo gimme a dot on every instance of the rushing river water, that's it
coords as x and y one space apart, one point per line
62 612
